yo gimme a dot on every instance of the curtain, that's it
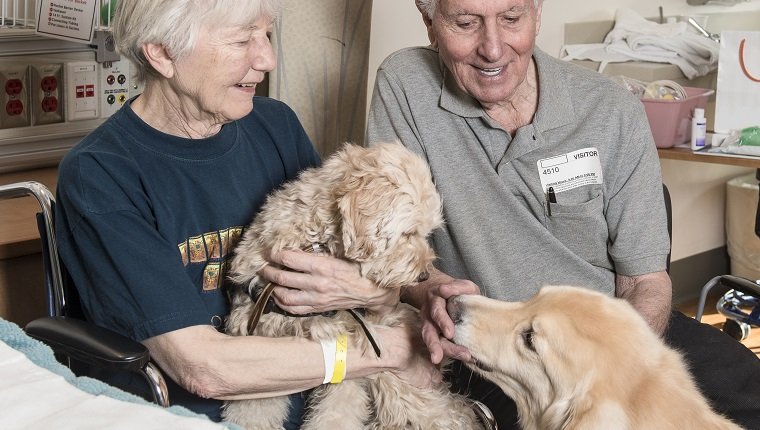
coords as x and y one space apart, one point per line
322 49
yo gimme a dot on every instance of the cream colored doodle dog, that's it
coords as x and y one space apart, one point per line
575 359
374 206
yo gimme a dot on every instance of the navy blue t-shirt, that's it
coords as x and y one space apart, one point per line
146 221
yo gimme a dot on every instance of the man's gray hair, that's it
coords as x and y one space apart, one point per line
429 6
175 24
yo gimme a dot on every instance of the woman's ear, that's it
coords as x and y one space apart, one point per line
159 59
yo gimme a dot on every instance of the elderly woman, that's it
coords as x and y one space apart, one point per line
548 175
151 203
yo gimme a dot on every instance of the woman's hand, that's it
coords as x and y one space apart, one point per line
410 361
319 283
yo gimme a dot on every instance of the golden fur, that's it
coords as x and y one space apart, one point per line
594 363
374 206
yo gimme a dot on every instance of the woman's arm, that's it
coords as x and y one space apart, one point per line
214 365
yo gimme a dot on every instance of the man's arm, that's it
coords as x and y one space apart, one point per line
651 294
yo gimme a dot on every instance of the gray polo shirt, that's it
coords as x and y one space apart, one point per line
590 141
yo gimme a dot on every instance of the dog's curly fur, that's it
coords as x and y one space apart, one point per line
374 206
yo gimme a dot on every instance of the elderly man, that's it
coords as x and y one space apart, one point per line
548 175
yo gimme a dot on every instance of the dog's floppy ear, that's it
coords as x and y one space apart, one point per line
358 210
564 412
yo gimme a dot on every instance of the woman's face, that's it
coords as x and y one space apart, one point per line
486 44
219 77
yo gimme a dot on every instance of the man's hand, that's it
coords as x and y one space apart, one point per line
437 327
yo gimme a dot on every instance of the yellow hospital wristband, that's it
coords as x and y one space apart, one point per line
341 354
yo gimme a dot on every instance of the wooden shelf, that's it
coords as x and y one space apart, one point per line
686 154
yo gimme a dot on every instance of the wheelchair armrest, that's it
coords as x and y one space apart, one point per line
742 285
727 282
88 343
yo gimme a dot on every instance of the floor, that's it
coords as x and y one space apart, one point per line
712 317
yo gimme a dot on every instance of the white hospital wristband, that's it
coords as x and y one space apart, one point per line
328 353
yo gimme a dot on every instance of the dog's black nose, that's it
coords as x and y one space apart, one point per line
424 276
454 309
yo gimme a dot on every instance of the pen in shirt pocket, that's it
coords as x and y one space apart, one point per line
551 197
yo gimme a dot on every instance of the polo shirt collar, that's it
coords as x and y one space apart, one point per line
455 100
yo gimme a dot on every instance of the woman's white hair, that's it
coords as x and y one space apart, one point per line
429 6
175 24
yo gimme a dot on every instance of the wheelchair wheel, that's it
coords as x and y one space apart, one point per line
737 330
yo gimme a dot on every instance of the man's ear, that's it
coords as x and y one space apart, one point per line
428 24
159 58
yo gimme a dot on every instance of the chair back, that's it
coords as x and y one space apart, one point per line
669 213
56 302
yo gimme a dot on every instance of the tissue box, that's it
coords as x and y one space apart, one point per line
670 120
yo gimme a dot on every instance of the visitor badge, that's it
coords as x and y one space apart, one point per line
572 170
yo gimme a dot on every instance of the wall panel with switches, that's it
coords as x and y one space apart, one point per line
82 90
54 91
114 86
49 102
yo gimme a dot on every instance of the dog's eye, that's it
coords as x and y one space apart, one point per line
424 276
527 337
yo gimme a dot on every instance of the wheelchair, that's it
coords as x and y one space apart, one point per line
741 303
72 338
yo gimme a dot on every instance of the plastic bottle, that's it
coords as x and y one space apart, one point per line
698 129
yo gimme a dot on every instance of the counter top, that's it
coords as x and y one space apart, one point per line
18 225
686 154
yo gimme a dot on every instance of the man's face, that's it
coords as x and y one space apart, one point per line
486 44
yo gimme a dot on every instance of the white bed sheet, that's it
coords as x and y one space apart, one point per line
32 397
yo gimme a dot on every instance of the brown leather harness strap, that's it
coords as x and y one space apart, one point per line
259 307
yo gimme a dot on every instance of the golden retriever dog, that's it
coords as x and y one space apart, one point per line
573 358
373 206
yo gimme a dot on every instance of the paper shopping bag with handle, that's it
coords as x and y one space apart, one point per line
737 102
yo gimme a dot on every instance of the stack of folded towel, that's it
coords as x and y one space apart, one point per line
636 38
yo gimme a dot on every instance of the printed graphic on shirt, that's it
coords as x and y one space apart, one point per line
213 245
212 249
183 253
196 249
211 275
572 170
224 236
234 237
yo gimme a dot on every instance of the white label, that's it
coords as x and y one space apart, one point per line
567 171
67 19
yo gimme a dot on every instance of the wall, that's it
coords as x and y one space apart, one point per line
697 189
